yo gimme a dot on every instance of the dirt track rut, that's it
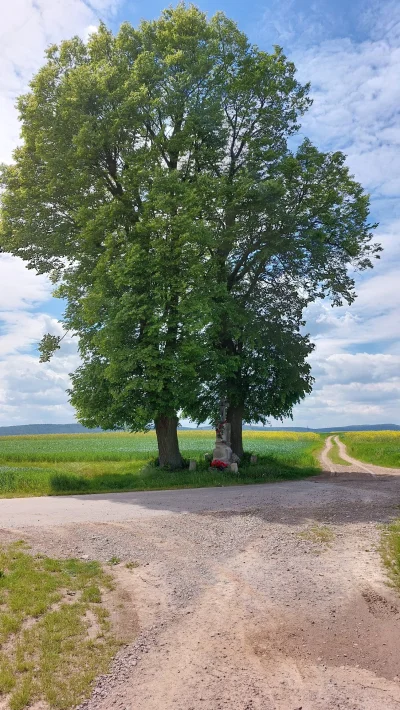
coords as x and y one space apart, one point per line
354 466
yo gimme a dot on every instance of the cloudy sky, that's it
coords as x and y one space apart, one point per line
350 51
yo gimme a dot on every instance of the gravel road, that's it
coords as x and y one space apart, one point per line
248 598
114 507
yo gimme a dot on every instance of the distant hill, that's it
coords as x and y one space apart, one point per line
363 427
25 429
353 427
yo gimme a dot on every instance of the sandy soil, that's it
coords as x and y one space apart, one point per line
241 604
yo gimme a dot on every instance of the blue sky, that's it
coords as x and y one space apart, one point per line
350 52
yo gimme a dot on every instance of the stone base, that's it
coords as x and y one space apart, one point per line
222 452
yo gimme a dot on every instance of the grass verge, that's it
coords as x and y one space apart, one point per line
377 447
279 458
55 635
20 481
390 551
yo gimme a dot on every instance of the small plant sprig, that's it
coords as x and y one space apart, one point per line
113 561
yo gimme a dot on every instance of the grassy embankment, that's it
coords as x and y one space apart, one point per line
55 634
377 447
102 463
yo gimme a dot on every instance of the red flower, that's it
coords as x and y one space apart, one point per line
220 427
216 463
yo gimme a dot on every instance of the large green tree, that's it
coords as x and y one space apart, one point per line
293 227
156 186
262 365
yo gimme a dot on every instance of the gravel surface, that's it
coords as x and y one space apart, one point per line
249 598
116 507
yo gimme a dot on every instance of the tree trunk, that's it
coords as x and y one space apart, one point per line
167 440
235 419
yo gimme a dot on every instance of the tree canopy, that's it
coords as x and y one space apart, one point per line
156 186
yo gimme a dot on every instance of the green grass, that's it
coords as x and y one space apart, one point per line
390 551
318 534
103 463
47 608
334 455
377 447
132 565
116 446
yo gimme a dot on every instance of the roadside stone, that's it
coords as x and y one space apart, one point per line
234 467
192 465
253 458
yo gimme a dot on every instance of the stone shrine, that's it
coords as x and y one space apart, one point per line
222 451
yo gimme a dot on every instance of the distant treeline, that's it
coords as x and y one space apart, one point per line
25 429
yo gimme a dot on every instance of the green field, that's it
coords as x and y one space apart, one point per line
377 447
94 463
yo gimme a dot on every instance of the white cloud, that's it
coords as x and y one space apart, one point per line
30 391
353 384
360 388
356 95
89 31
365 368
20 287
27 28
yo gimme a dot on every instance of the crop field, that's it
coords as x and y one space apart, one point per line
90 463
377 447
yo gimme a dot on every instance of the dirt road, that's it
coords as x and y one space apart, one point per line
258 598
354 466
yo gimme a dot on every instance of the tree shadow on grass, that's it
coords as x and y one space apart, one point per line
267 470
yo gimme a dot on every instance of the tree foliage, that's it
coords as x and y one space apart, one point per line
156 186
